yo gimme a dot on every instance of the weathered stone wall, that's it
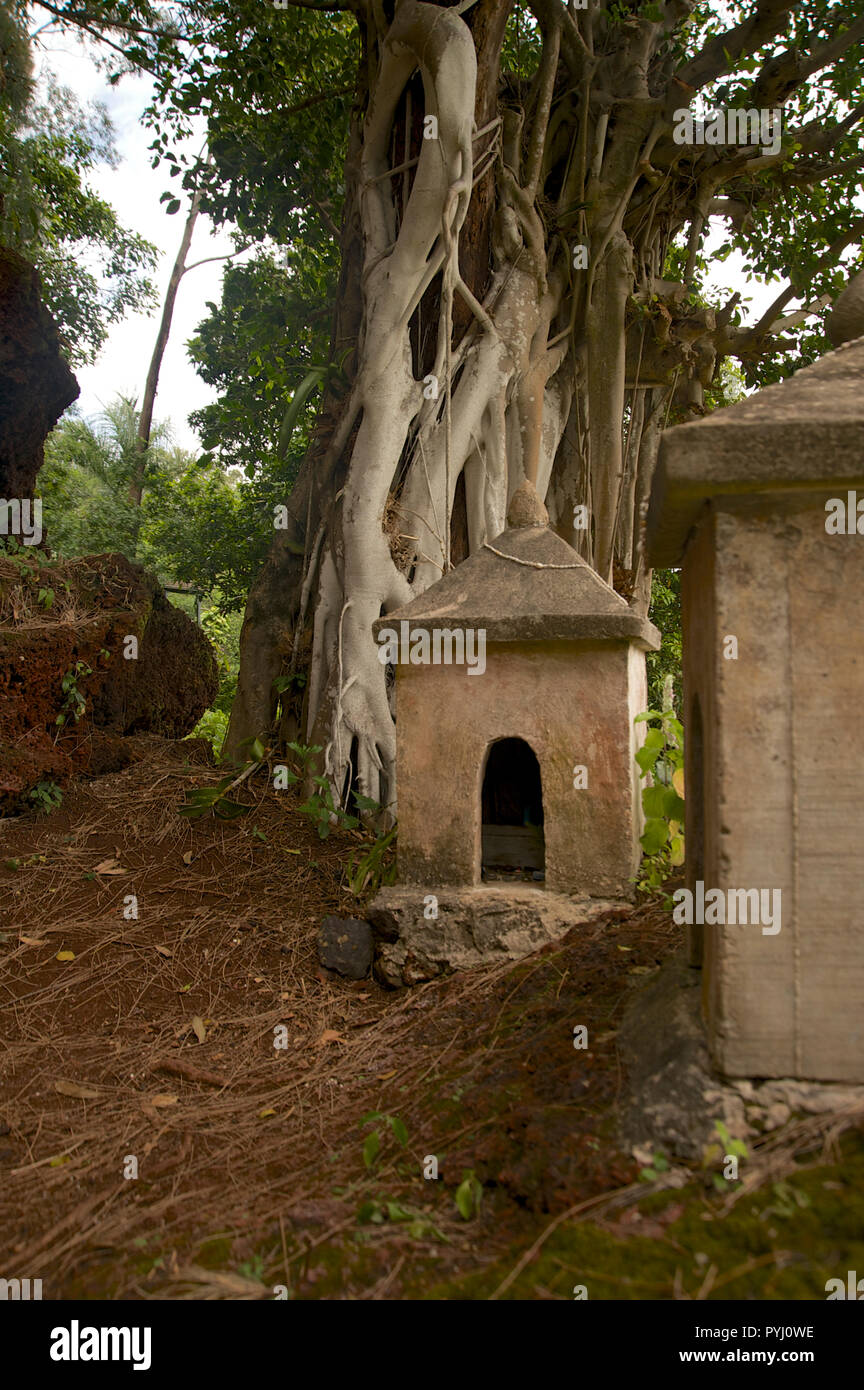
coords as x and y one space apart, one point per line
788 768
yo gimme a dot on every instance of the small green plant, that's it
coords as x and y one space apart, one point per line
659 1164
200 801
74 703
717 1153
789 1202
302 756
469 1195
323 812
46 796
736 1147
368 869
320 806
372 1142
15 864
46 597
378 1210
661 765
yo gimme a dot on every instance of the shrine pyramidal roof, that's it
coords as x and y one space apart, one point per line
806 432
527 585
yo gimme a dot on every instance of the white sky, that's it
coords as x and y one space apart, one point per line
134 189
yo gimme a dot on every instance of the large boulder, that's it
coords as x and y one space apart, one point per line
36 384
102 632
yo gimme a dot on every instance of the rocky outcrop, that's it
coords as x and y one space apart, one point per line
91 652
36 384
420 935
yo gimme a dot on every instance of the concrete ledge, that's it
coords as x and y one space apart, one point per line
474 927
802 435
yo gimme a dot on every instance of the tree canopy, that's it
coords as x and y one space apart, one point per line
93 269
485 233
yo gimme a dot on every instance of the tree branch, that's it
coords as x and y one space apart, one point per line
72 22
781 75
769 321
720 53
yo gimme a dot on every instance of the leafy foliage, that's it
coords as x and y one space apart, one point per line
661 765
94 270
368 869
46 797
74 701
382 1124
665 613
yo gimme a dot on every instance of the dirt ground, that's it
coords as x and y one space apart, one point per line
148 1045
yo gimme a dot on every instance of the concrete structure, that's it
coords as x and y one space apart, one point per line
486 763
747 501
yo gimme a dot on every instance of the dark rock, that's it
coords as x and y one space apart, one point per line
36 384
345 945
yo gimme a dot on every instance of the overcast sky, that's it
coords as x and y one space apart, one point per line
134 189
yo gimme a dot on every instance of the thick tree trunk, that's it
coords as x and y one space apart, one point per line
509 290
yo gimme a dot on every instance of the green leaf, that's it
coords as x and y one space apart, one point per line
397 1212
654 801
370 1211
647 755
468 1195
400 1133
371 1148
230 810
654 836
298 400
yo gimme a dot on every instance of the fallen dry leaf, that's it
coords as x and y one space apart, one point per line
72 1088
110 866
264 1114
188 857
329 1036
385 1076
160 1101
198 1027
163 951
65 955
32 940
